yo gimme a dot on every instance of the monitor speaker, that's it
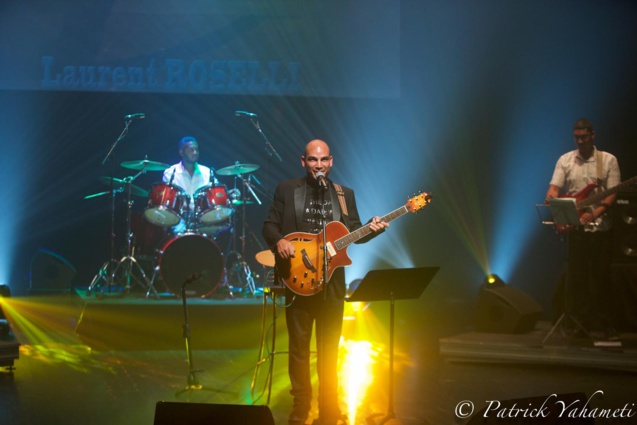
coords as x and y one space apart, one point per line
50 272
551 409
624 214
174 413
505 309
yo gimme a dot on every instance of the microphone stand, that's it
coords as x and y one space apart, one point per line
321 356
269 149
108 268
193 383
121 136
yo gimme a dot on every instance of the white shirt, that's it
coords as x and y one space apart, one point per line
573 173
178 176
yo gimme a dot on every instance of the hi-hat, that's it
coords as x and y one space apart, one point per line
236 169
121 184
145 164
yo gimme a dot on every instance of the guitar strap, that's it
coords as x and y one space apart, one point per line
600 169
341 198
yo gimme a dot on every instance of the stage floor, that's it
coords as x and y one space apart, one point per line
134 322
60 378
542 346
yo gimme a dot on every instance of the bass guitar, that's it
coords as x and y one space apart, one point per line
582 201
303 273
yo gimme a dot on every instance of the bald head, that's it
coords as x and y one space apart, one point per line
317 158
317 144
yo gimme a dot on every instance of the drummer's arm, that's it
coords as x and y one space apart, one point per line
169 175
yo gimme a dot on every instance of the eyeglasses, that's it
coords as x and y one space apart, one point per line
581 137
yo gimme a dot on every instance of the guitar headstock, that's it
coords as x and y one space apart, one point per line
418 202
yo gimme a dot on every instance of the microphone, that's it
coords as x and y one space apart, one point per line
193 277
320 176
137 116
245 114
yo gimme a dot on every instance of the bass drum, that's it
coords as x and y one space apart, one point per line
189 254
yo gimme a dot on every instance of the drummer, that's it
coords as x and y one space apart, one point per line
189 175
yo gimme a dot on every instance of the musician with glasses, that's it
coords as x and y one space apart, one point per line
303 205
582 173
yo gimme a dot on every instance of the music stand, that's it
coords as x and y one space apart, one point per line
564 213
390 285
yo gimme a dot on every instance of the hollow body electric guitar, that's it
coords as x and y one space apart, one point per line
583 201
303 273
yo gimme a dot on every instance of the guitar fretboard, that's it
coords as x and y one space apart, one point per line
598 197
360 233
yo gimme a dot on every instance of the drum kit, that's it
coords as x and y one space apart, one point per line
192 226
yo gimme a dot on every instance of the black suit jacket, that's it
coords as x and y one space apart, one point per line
286 214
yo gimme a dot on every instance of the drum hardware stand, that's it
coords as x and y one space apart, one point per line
224 285
241 267
106 268
128 260
102 275
193 384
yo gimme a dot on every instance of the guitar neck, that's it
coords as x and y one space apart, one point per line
360 233
600 196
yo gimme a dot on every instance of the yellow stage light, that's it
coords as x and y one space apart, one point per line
493 281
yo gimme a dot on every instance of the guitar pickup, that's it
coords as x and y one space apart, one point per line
307 261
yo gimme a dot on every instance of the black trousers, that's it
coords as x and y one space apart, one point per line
326 311
589 289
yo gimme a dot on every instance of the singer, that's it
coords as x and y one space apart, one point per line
301 205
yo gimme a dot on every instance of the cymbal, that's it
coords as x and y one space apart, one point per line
121 184
236 169
145 164
241 202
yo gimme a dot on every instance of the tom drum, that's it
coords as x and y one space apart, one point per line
212 205
167 204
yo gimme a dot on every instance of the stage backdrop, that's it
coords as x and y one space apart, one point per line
472 101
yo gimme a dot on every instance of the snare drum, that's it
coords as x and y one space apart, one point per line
167 204
212 205
188 254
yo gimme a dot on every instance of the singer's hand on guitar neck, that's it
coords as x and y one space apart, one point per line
377 224
285 249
